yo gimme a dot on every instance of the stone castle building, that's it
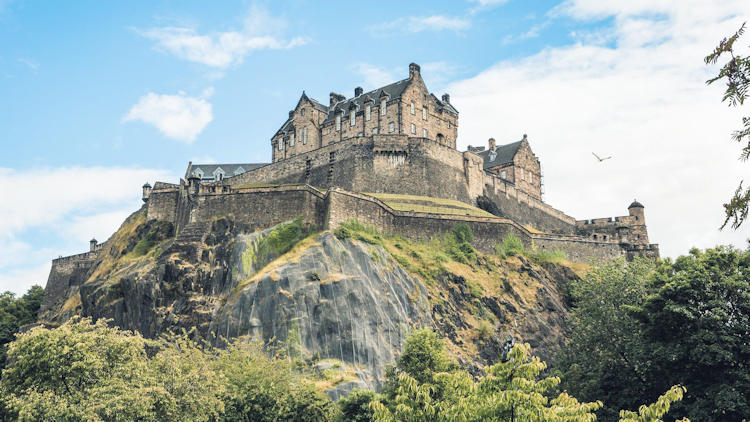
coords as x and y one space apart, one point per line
389 158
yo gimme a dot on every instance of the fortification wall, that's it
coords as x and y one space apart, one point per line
65 273
260 208
162 204
525 209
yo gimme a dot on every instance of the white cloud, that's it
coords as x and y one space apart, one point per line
62 208
644 101
420 24
222 49
31 65
374 76
176 116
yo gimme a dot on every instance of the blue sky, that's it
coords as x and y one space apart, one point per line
98 97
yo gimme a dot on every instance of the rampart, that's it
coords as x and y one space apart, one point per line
407 165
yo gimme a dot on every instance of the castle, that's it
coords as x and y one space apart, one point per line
388 158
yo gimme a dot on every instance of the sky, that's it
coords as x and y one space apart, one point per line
97 98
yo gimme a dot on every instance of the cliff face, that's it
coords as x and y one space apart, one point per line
344 302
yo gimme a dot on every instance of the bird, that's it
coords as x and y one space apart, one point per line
601 159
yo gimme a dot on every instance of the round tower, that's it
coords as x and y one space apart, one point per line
636 210
194 182
146 192
92 244
638 235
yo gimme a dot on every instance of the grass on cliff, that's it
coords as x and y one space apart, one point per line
429 205
512 245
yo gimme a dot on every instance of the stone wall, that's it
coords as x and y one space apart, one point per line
66 272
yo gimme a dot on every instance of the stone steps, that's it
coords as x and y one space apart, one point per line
189 241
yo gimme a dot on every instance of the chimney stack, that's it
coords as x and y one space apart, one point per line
334 97
413 70
491 144
358 91
446 98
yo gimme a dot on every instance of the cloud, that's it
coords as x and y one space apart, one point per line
415 24
221 49
178 116
641 98
60 210
32 65
374 76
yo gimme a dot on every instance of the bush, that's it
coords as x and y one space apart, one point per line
556 256
510 246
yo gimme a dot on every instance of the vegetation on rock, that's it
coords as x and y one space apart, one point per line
15 313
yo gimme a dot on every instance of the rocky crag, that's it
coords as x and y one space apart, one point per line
342 303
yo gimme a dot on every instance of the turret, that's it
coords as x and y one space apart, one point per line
636 209
92 244
146 192
194 182
638 234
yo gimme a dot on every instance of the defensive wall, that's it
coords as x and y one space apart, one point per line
262 207
67 272
407 165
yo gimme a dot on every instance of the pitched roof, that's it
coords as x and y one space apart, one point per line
393 90
229 169
503 154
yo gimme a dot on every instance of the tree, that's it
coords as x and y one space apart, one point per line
15 313
736 74
604 357
698 321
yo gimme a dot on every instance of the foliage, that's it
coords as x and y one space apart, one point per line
515 390
356 406
511 245
736 74
353 229
280 240
89 371
639 328
656 410
457 244
15 313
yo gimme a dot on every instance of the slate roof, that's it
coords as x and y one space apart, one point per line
229 169
503 154
393 90
635 204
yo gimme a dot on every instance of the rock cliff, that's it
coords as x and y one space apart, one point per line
343 302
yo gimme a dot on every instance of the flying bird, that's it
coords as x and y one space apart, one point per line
601 159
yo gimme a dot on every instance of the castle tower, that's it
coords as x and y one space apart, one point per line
146 192
638 234
92 244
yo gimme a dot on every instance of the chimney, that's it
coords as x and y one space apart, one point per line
446 98
358 91
491 144
413 70
334 97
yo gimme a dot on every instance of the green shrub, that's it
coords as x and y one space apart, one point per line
484 329
510 246
556 256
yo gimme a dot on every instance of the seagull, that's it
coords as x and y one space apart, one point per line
601 159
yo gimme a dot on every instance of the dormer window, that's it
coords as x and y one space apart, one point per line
291 140
382 107
219 174
338 122
199 173
353 118
239 170
367 112
411 108
424 113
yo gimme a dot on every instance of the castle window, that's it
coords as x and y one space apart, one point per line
291 140
281 144
449 125
328 131
353 118
338 122
367 112
382 107
391 127
503 174
412 108
304 135
374 131
424 133
531 177
413 128
424 113
302 112
522 175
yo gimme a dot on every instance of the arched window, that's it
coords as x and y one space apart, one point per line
440 137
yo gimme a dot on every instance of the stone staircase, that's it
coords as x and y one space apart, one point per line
189 241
